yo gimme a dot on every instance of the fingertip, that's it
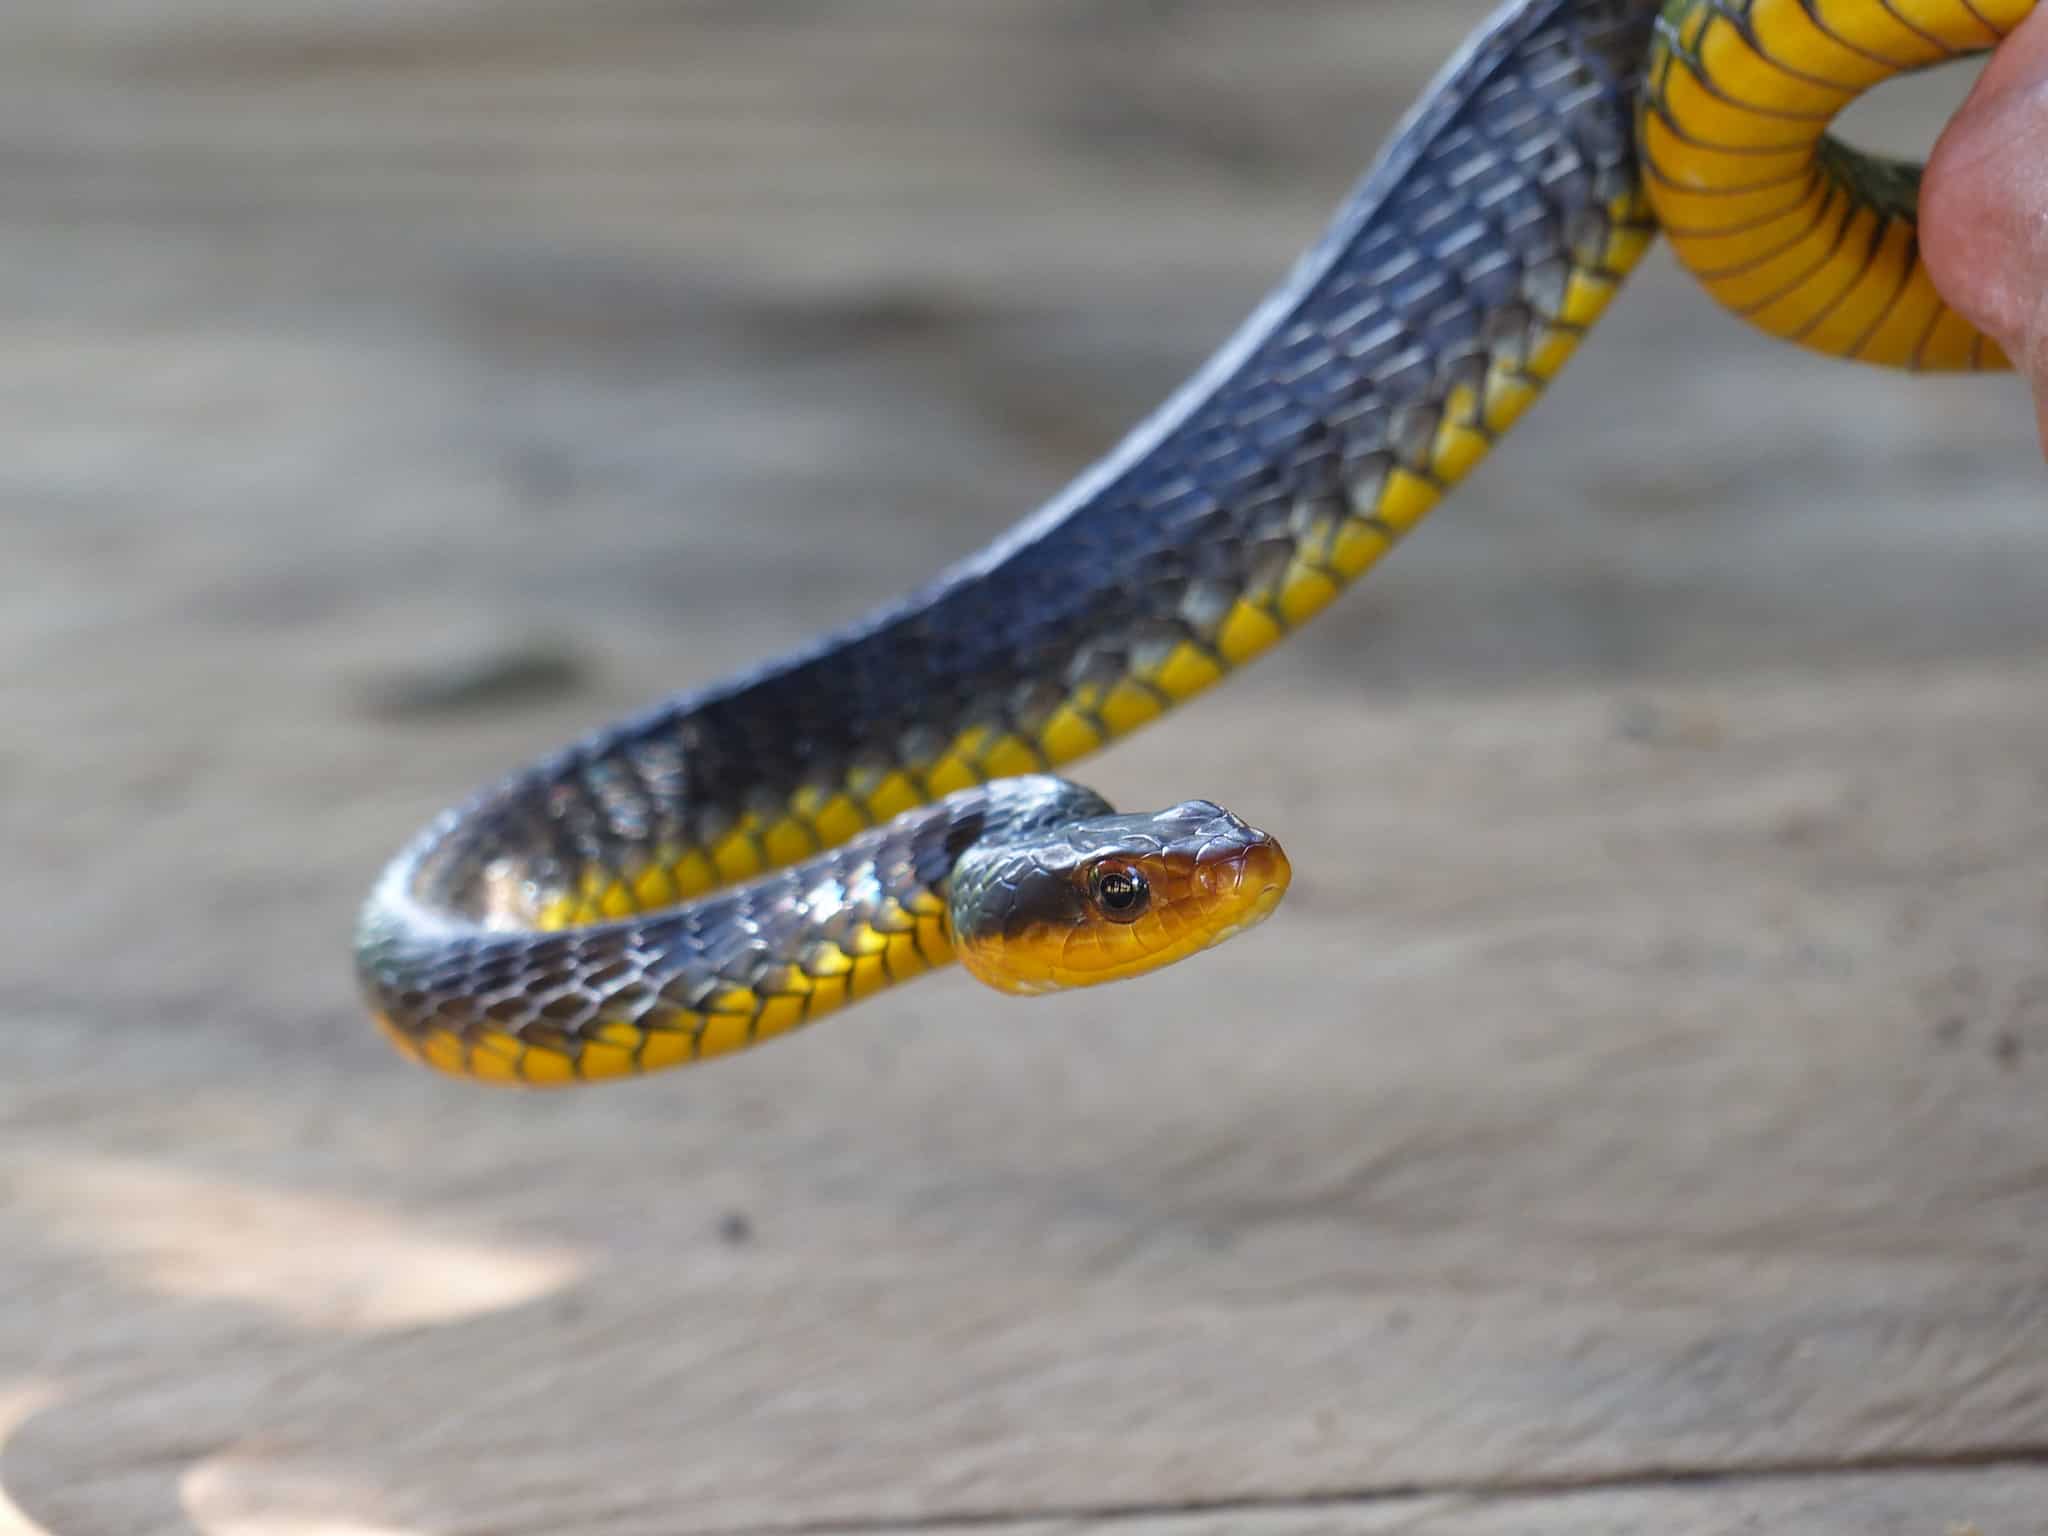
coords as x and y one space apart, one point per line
1968 230
1983 224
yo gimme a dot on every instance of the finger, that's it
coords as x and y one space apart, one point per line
1984 204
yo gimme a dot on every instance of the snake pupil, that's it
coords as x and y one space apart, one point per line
1120 891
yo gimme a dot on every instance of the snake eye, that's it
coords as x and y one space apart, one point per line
1120 891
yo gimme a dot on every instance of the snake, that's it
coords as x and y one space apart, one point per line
738 861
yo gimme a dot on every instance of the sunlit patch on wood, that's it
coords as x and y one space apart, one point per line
257 1490
20 1401
321 1262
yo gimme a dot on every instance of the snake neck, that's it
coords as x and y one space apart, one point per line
475 994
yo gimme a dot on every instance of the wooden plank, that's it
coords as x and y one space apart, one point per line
1968 1502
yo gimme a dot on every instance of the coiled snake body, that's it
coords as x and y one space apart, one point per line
737 862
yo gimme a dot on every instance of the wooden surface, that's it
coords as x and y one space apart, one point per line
1632 1123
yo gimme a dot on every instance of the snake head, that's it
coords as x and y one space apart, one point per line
1111 897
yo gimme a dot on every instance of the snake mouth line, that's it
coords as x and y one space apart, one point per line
1263 905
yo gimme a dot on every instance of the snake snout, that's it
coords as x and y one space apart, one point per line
1244 872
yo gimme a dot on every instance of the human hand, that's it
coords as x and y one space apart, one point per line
1984 205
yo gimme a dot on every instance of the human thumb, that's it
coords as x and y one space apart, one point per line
1984 205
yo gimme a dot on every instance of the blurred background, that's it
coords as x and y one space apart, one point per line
1632 1122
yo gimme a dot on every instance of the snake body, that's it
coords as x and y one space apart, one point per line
736 862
